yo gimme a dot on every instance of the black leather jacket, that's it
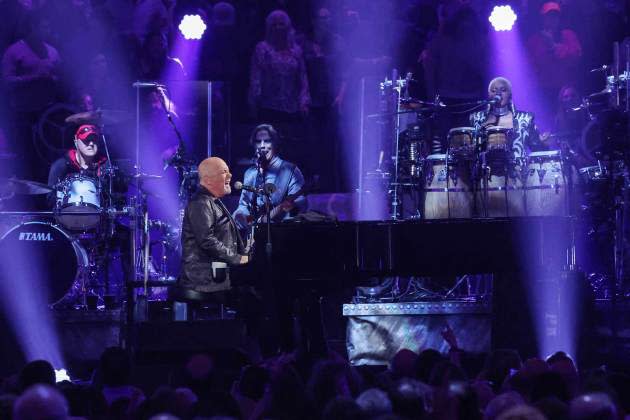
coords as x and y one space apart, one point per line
208 234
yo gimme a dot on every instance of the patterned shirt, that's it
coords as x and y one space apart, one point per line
525 132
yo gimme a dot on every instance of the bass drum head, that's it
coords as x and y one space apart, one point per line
39 262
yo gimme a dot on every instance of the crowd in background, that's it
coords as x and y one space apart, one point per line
228 385
297 64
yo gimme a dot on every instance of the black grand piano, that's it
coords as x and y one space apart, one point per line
356 250
314 260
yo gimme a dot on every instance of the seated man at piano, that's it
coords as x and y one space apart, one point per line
288 198
210 239
501 113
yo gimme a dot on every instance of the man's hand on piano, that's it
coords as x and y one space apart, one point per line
244 259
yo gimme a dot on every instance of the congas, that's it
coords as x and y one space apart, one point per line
78 204
41 261
498 138
447 188
461 142
549 184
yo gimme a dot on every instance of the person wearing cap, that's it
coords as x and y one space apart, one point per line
288 198
86 157
555 52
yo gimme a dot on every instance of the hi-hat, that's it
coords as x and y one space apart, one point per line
99 117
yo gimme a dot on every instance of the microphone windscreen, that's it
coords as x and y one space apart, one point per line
238 185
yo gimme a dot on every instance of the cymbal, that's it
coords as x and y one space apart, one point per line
145 176
26 187
100 117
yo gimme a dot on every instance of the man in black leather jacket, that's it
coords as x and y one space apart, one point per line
209 234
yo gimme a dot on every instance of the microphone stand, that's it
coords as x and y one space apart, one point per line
268 244
178 157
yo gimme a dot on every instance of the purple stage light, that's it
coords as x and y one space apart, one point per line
502 18
192 27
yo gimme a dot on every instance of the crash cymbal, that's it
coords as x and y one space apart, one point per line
23 186
99 117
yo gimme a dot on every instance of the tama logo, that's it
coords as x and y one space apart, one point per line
35 236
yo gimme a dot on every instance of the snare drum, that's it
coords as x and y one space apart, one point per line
461 141
447 192
547 182
79 202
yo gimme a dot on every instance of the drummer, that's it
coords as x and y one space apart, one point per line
85 158
88 158
502 113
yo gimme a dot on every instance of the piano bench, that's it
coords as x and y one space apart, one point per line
192 305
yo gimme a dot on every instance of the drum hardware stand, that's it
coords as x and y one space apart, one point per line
394 88
486 173
141 210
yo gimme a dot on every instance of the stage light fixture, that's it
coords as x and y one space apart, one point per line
502 18
192 27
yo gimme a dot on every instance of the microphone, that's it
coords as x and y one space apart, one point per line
266 189
147 85
602 68
494 101
238 185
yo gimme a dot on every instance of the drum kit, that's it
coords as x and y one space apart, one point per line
72 247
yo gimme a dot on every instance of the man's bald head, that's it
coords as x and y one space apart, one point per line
215 176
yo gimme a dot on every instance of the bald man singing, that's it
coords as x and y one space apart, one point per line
209 234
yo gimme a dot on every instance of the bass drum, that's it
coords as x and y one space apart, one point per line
40 263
